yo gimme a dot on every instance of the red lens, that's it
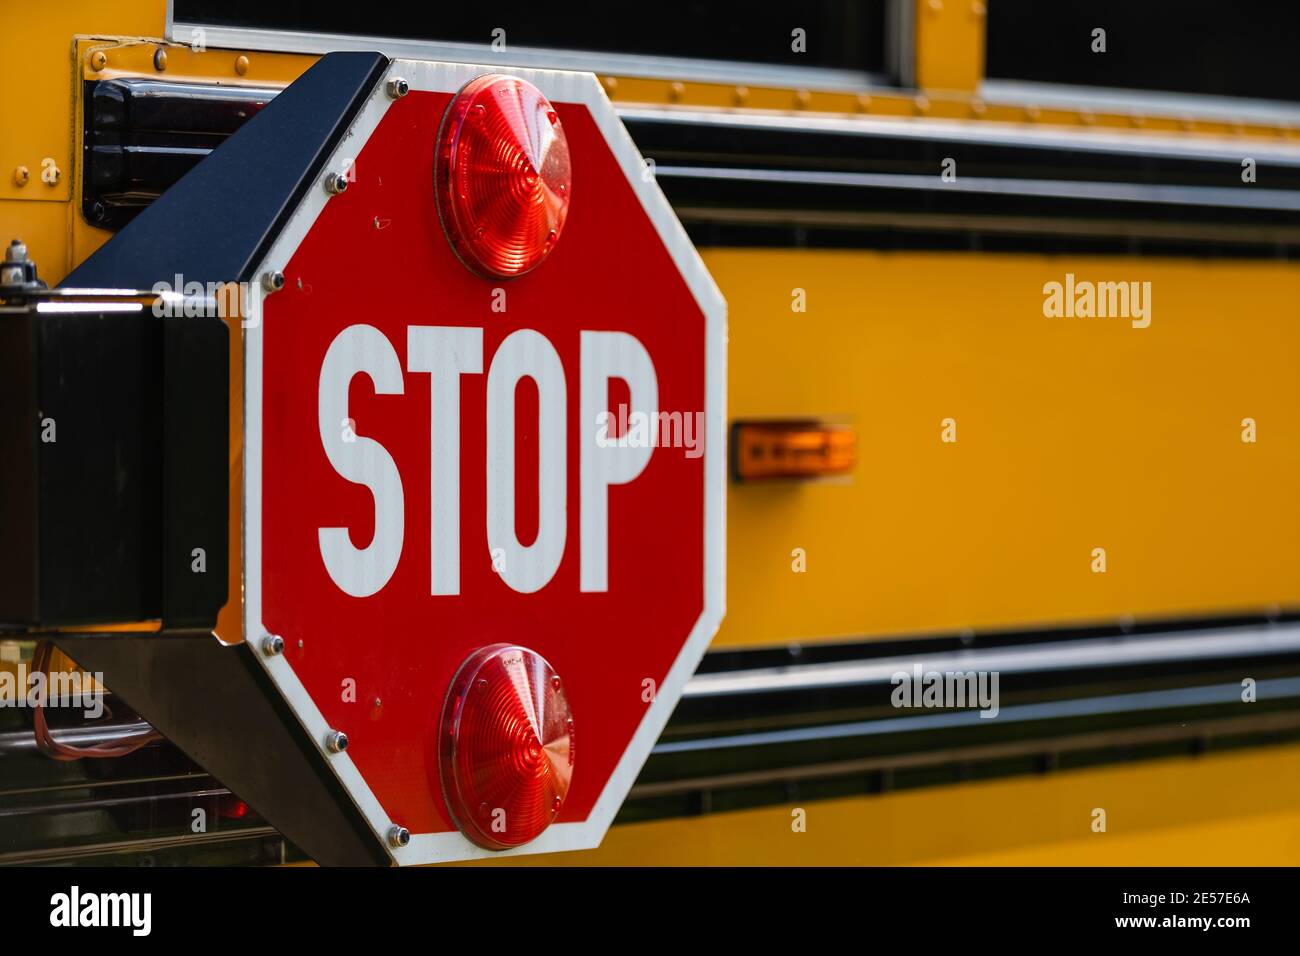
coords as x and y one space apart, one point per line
505 747
502 176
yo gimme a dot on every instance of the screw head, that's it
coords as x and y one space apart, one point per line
272 281
398 837
160 59
272 645
336 741
335 183
398 87
21 175
98 60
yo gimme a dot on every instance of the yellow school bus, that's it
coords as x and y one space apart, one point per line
1014 374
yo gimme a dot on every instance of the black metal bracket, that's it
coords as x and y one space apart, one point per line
216 703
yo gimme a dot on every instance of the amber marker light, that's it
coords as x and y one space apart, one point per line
803 449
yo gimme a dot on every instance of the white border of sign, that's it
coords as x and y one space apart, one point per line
560 87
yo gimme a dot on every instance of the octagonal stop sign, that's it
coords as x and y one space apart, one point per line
484 461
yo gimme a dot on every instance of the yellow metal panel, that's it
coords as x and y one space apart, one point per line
37 73
1072 434
1239 809
950 44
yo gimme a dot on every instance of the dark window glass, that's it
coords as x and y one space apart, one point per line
1218 47
840 34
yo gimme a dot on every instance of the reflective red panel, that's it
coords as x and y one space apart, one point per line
506 746
502 176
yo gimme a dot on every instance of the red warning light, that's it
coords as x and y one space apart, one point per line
505 747
502 176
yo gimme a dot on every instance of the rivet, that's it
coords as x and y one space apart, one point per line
241 64
160 59
863 103
21 175
398 87
610 83
978 9
935 6
272 282
272 645
1032 113
675 91
398 837
335 183
1137 119
801 99
336 741
1087 118
978 107
98 60
921 104
740 95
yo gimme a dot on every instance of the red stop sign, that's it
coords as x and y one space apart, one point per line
436 462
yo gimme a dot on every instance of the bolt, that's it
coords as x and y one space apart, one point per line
272 281
398 87
335 183
272 645
21 175
336 741
398 837
160 59
98 60
13 272
241 64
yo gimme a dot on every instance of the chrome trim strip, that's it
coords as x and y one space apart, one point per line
1051 656
986 132
1098 99
1273 721
1217 196
624 64
1072 707
95 735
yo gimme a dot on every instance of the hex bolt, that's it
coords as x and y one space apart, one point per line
398 87
272 645
398 837
272 281
336 741
335 183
